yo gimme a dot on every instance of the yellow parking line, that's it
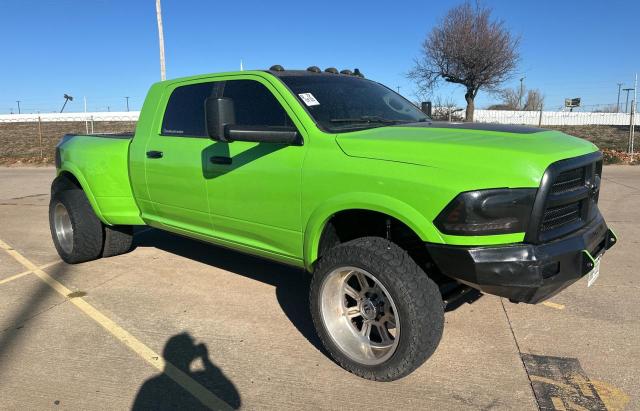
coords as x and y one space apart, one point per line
15 277
553 305
185 381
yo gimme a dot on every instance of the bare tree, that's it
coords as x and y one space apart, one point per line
534 101
445 109
467 48
511 99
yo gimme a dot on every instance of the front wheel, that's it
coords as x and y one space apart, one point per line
377 313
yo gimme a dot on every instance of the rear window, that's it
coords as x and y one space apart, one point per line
184 115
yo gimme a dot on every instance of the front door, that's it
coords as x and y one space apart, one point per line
255 197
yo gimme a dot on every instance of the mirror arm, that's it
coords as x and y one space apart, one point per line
260 134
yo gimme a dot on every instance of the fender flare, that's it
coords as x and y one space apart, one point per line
77 174
390 206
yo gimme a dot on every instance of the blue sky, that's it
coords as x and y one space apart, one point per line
107 49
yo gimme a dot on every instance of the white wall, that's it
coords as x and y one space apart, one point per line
549 118
97 116
552 118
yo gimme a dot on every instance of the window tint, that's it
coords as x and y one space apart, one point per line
184 115
254 104
344 103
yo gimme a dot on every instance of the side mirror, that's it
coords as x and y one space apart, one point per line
221 126
219 113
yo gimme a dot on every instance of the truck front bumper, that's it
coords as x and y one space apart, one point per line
525 272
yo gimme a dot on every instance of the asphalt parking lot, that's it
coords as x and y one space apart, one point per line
177 322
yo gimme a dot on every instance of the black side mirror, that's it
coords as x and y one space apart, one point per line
221 126
219 114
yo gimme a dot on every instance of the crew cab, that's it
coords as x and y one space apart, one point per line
346 179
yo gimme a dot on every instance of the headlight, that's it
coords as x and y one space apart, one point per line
484 212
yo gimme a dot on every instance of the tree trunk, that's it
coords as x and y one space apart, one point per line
469 97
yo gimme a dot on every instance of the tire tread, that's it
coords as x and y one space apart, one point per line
425 319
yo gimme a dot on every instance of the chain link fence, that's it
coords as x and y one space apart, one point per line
32 138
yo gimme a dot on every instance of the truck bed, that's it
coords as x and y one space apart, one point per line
100 162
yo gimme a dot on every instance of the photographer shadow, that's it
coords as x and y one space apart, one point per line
163 393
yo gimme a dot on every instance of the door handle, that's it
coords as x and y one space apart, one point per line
220 160
154 154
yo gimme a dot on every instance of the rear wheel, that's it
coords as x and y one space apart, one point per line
118 240
377 313
75 229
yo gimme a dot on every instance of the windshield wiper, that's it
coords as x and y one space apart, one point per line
366 119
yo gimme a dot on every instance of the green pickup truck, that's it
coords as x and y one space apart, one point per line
393 214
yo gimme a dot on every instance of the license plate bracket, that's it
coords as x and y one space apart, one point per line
593 274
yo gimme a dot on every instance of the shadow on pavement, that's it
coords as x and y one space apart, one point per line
291 284
162 393
30 307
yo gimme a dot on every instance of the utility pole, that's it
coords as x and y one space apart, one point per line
626 106
521 93
163 74
127 98
632 129
618 105
398 87
18 101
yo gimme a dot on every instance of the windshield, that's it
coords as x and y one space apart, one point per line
340 103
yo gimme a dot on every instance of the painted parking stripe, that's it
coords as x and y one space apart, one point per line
15 277
185 381
554 305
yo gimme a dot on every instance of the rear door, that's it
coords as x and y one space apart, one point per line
176 180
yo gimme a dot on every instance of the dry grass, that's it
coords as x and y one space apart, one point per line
20 142
612 140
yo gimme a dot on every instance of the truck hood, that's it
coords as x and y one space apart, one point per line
467 148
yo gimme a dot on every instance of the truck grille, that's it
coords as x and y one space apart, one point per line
567 198
569 180
555 217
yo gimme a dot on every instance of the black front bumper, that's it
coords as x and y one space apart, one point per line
525 272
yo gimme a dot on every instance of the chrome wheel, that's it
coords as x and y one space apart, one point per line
63 228
359 315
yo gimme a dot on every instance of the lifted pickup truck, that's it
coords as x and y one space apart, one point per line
343 177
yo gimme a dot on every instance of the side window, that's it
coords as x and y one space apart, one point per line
184 115
255 105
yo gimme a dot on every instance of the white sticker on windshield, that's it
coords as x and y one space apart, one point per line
309 99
